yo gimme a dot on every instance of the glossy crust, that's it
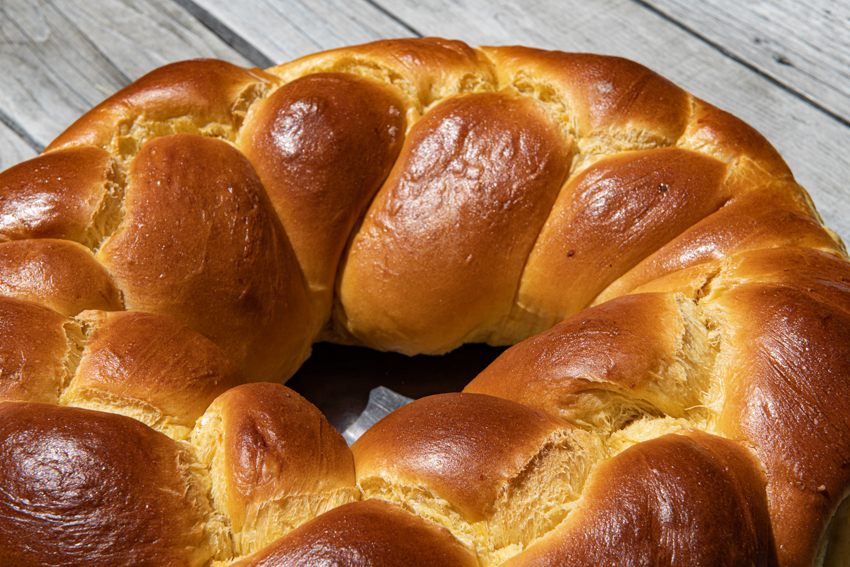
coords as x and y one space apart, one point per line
608 219
758 355
424 69
62 194
151 368
364 534
610 103
276 462
496 473
472 187
59 274
602 368
202 96
216 257
687 499
681 315
323 145
106 476
37 356
795 398
457 457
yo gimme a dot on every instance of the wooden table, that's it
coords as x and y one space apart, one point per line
783 66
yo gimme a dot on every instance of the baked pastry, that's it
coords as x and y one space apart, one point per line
679 392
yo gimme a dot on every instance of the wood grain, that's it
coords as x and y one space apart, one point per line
13 148
286 30
801 45
59 58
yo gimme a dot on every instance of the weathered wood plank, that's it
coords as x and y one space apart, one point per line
288 29
804 46
62 56
59 58
13 148
813 143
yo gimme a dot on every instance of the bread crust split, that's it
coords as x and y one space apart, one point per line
677 388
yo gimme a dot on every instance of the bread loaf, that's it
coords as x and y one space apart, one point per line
678 392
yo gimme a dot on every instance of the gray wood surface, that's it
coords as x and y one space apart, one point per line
286 30
13 148
779 65
802 46
59 59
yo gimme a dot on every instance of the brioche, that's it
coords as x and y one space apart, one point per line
676 389
371 532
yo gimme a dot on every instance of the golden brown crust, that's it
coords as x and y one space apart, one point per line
732 140
823 276
314 445
57 195
199 96
365 534
608 365
426 69
679 500
436 194
610 217
215 256
151 368
756 221
275 459
770 329
496 473
322 145
785 369
36 349
469 193
608 100
455 456
75 484
58 274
